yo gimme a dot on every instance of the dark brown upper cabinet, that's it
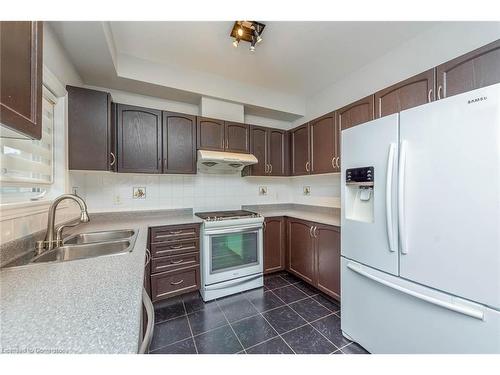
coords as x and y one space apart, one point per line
356 113
300 148
179 143
409 93
237 137
21 77
90 130
327 249
139 139
301 249
471 71
210 134
270 147
323 138
274 244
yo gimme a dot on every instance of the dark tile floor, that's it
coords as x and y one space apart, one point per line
286 316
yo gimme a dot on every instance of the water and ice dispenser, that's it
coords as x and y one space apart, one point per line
359 195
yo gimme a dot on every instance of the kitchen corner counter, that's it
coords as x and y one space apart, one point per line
322 215
83 306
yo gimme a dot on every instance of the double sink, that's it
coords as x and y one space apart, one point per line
90 245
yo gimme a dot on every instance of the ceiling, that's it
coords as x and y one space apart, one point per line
294 61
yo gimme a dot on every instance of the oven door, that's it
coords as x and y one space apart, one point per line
232 253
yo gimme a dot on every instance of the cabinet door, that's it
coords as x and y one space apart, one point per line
278 150
274 244
179 143
327 248
410 93
139 139
322 133
356 113
21 77
237 137
210 134
89 130
259 148
471 71
300 150
300 249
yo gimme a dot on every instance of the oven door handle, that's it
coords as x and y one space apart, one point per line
247 228
229 283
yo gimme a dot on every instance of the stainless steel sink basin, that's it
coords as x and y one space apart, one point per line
72 252
95 237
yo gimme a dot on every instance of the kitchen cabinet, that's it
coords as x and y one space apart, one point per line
300 157
300 249
313 254
274 244
210 134
270 147
21 46
471 71
356 113
179 143
409 93
327 249
237 137
175 260
323 144
90 130
139 139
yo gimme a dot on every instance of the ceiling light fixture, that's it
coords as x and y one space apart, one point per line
248 31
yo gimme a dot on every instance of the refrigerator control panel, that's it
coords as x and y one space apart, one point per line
360 176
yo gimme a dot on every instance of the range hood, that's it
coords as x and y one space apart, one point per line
223 162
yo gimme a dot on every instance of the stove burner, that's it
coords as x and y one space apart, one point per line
226 215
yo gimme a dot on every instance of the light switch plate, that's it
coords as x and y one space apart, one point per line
262 190
307 190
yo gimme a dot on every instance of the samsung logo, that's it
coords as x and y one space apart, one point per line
480 99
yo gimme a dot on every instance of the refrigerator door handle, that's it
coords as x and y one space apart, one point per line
401 197
465 310
388 196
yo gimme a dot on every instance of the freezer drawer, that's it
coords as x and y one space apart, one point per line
386 314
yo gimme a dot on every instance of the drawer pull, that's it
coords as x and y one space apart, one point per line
175 246
177 282
176 232
176 261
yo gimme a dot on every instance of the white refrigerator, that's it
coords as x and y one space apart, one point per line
420 240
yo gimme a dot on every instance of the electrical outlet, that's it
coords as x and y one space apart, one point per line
262 190
307 190
117 199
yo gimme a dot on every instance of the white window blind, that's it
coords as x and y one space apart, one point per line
27 165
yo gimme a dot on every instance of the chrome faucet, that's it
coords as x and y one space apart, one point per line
49 243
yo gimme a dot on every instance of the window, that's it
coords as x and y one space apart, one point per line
27 166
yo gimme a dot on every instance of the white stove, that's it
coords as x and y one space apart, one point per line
231 253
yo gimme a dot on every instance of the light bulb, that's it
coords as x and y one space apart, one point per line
240 31
259 39
236 42
252 47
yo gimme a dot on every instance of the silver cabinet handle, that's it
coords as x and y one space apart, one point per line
307 167
176 261
429 96
338 162
177 282
113 159
333 161
150 313
227 144
315 232
440 88
310 231
270 168
267 168
264 225
148 258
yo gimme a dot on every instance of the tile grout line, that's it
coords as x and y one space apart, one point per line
190 329
230 326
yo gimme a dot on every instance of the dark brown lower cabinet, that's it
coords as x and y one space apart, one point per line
300 249
274 244
327 246
314 254
175 260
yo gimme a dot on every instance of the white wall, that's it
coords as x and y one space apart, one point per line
203 192
425 51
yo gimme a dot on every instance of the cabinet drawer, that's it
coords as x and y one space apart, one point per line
172 283
163 249
174 232
174 262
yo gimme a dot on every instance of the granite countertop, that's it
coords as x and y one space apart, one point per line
322 215
84 306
